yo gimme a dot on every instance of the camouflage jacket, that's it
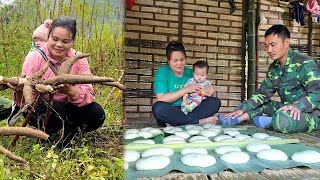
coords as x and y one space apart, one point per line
298 83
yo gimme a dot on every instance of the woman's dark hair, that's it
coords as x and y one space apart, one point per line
201 64
280 30
174 46
65 22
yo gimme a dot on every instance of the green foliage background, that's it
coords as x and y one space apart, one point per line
95 155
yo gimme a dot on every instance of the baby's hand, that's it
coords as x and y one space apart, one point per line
209 91
192 88
183 104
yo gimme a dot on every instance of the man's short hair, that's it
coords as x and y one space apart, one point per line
280 30
201 64
174 46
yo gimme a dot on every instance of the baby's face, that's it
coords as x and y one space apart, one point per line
200 74
39 41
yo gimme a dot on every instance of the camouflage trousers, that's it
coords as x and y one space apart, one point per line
282 122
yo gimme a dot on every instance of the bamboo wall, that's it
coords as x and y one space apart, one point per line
208 32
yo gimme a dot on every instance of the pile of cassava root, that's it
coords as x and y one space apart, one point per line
35 87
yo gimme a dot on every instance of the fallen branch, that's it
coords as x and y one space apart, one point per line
10 155
114 88
48 113
9 86
23 131
114 84
27 119
38 175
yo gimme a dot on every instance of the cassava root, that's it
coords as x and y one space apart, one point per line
23 131
10 155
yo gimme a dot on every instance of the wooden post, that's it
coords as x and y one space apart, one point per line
251 49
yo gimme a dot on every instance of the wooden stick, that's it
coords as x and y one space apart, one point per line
37 174
27 119
114 88
8 86
48 113
114 84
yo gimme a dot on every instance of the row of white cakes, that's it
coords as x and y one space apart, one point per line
194 134
159 157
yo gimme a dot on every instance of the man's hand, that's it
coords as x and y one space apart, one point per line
234 114
294 111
